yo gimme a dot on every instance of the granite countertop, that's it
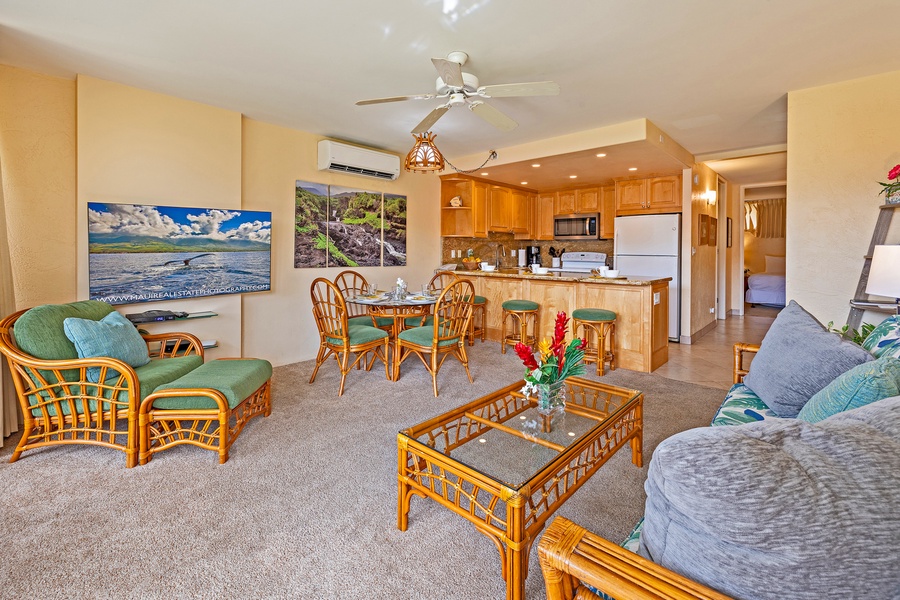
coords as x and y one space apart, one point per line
516 273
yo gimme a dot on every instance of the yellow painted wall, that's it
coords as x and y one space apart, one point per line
140 147
842 139
37 155
279 326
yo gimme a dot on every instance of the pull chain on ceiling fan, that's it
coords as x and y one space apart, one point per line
460 88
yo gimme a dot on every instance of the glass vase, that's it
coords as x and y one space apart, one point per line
551 401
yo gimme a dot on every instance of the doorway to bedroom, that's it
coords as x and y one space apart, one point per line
765 215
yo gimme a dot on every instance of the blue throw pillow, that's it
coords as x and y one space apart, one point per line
861 385
113 336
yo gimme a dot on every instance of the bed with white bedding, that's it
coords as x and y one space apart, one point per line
768 288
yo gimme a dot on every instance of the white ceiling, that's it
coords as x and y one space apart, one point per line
713 75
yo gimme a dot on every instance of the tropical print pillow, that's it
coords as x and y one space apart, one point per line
884 340
742 405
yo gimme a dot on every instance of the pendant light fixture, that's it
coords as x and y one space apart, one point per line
424 156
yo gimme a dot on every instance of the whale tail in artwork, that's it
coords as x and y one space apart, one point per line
186 261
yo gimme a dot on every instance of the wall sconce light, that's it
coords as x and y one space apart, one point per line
884 274
424 156
709 196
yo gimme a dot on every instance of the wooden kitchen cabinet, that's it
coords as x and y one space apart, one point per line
587 200
519 211
565 202
469 219
544 211
607 212
499 214
648 196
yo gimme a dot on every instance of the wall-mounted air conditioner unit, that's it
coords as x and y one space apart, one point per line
344 158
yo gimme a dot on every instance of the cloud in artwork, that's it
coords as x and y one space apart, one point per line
134 220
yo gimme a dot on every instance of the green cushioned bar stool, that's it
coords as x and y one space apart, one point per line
208 407
522 311
599 324
479 309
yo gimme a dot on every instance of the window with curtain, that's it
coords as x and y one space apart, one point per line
766 218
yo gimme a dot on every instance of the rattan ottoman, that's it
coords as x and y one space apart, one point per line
208 407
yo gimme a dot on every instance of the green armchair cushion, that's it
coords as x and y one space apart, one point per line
39 331
113 336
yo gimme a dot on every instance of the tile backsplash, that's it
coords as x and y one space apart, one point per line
487 248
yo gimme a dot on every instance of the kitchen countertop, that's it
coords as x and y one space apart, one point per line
516 273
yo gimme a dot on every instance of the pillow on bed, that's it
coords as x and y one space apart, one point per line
775 265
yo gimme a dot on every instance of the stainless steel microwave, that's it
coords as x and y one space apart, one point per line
576 227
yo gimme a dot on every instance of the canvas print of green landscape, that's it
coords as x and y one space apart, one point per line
345 227
141 253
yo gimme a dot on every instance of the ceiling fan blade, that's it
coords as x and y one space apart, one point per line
534 88
396 99
493 116
450 72
431 119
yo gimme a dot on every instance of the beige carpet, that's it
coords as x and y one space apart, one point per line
306 506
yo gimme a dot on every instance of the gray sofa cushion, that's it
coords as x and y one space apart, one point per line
797 358
781 508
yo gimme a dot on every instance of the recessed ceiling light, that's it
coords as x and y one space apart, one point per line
632 168
523 182
573 176
484 174
536 165
601 155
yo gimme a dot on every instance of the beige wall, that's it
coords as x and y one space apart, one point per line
37 154
140 147
756 249
842 140
279 326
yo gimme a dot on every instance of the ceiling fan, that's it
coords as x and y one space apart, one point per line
459 87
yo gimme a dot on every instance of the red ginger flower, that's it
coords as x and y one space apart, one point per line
894 173
526 353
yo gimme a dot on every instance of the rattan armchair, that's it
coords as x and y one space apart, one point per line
62 405
339 338
444 337
571 557
439 281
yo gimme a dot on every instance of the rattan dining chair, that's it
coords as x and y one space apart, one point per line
339 338
439 281
351 284
445 336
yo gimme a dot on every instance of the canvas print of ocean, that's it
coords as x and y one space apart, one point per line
346 227
140 253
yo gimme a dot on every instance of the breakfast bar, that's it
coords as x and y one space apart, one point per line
640 303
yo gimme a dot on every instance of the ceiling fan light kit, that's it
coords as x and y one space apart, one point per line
424 157
459 88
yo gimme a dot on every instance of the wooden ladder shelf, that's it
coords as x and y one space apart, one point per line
861 302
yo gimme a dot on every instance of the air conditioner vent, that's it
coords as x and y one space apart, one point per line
344 158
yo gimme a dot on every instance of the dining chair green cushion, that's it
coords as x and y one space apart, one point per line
520 305
360 334
113 336
478 299
424 336
237 379
367 320
418 322
593 314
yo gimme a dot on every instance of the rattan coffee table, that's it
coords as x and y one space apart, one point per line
489 462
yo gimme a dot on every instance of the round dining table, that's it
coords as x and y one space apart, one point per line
387 305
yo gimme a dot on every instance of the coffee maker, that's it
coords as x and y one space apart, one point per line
534 255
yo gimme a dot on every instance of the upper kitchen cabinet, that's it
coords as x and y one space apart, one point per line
607 211
542 218
519 210
499 214
565 202
587 200
469 218
648 196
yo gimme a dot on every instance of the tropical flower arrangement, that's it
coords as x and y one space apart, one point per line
557 359
891 187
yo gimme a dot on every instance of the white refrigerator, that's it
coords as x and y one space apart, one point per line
650 245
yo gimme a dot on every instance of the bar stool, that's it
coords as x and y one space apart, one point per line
479 307
603 324
523 311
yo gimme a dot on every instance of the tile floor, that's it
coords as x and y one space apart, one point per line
709 361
